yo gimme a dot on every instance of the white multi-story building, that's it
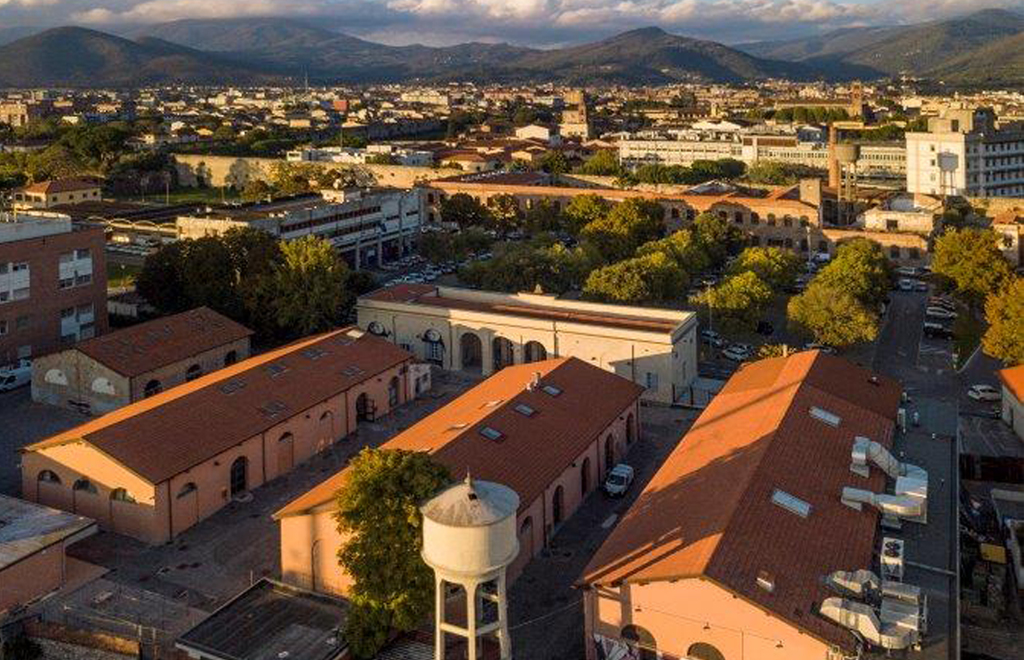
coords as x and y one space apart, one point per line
372 153
366 227
964 152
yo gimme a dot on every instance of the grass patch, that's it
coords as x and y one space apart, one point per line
967 334
121 275
190 196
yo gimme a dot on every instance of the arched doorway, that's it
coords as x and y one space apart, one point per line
393 392
630 429
585 477
230 358
326 432
285 453
504 353
557 506
704 651
534 351
84 496
239 475
186 510
152 387
50 490
193 372
609 453
642 640
472 352
364 408
526 537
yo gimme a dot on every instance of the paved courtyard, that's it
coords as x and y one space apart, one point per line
23 422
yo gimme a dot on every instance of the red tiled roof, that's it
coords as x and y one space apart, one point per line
175 430
708 510
533 450
62 185
147 346
1013 379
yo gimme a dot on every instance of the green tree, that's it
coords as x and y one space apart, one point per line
971 260
738 303
832 316
1004 312
682 247
307 288
542 216
717 236
554 162
629 225
464 211
257 190
505 212
603 163
650 278
768 172
583 210
778 268
209 276
161 280
861 268
378 516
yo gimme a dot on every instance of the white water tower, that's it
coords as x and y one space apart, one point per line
469 539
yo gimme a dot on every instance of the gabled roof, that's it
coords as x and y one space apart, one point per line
532 450
62 185
708 512
1013 380
175 430
147 346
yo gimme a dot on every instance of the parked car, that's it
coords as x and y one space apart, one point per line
937 331
920 286
736 353
984 393
713 338
905 285
15 375
944 303
618 480
939 313
813 346
906 271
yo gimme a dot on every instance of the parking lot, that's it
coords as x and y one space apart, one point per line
23 422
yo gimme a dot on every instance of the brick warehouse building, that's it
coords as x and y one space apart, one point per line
53 284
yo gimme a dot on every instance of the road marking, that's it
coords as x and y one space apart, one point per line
609 521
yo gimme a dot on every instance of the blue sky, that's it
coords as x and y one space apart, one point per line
532 22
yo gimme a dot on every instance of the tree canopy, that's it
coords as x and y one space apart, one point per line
717 236
832 316
971 260
776 267
464 211
738 302
653 277
583 210
861 268
1004 311
379 519
626 227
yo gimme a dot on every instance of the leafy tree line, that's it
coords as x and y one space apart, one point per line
282 290
285 179
699 171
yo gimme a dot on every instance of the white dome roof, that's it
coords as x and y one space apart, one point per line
472 503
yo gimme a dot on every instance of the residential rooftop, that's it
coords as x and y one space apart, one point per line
26 528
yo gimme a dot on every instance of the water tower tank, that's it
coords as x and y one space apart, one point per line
470 529
847 154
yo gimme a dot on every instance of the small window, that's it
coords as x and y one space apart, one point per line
122 495
823 415
652 380
551 390
187 489
524 409
791 503
86 486
491 433
49 476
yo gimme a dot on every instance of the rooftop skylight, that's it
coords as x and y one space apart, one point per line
491 433
823 415
791 503
524 409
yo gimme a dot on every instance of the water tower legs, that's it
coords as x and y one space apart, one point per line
475 596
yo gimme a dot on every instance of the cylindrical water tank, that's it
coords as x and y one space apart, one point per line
470 528
847 153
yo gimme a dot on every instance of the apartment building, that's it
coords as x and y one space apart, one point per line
485 332
156 467
965 152
386 153
53 283
109 372
21 113
367 227
551 431
47 194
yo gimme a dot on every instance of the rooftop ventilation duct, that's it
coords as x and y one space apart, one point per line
890 632
900 505
911 491
865 450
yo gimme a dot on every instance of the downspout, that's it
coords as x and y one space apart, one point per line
170 512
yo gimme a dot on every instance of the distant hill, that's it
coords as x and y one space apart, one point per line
958 49
13 33
72 56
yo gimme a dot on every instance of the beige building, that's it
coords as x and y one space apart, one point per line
108 372
483 332
47 194
734 547
1013 398
33 539
156 467
1009 225
550 431
904 212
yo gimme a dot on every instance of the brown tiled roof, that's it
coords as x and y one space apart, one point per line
533 450
708 511
429 295
62 185
147 346
175 430
1013 379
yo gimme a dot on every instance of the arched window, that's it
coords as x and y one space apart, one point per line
230 358
86 486
526 527
609 453
642 640
556 506
585 476
122 495
48 476
187 489
630 431
152 387
703 651
193 372
393 392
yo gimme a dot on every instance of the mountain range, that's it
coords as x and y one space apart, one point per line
986 47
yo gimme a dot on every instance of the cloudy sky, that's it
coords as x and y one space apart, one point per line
533 22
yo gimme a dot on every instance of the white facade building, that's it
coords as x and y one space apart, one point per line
965 153
354 156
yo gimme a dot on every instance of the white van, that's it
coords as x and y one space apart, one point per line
14 376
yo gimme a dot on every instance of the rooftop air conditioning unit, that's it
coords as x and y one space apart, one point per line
892 559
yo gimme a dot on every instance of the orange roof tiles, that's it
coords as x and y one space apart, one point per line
1013 379
62 185
709 512
533 450
175 430
147 346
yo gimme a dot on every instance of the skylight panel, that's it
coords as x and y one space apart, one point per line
276 369
823 415
791 503
491 433
552 390
524 409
